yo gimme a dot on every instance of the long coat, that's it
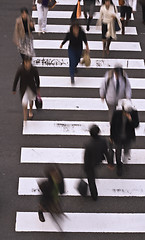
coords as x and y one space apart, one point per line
19 31
116 126
27 79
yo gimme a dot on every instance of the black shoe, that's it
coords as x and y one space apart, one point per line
88 28
72 80
119 170
41 216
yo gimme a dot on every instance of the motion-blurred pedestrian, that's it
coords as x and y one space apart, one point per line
23 34
96 151
114 87
42 8
76 36
89 8
51 188
126 9
122 134
108 14
142 2
29 85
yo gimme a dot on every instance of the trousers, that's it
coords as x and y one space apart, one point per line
92 185
126 144
74 59
42 17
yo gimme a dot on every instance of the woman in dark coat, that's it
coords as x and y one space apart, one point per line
76 36
29 85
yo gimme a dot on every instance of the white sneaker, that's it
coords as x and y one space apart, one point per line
126 157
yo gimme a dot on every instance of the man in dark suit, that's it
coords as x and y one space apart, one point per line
123 126
96 150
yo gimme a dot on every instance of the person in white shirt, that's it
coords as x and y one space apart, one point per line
128 7
108 12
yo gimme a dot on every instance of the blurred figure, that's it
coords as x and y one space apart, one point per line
142 3
76 12
76 36
96 151
51 188
23 34
29 85
123 126
42 7
108 13
114 87
89 8
128 7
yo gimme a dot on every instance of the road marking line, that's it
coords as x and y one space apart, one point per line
83 222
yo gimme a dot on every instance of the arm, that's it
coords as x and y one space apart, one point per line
67 38
16 35
103 87
17 76
133 119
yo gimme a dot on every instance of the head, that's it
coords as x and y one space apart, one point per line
24 13
75 28
107 3
118 70
27 62
94 131
127 105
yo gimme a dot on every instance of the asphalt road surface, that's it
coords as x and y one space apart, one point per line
58 134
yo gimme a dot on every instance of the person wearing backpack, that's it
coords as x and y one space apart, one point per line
114 87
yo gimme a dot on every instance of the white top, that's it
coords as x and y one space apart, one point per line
106 15
131 3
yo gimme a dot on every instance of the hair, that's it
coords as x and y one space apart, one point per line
103 2
27 59
118 70
94 131
24 9
74 24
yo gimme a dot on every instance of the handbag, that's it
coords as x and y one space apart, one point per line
38 102
82 188
121 2
51 4
116 25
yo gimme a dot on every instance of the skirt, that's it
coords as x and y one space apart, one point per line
26 46
29 96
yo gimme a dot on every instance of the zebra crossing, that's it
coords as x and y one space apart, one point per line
109 186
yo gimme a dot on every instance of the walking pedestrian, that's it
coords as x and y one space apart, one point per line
122 134
23 34
49 200
89 8
29 85
127 7
142 3
108 14
96 150
76 36
115 86
42 8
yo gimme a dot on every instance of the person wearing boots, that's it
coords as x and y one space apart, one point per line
126 9
108 12
89 7
122 133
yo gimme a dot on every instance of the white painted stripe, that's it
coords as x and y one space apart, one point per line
76 128
67 14
83 222
95 63
68 155
93 45
64 103
106 187
84 82
93 29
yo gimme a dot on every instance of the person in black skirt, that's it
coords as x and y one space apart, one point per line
76 36
29 85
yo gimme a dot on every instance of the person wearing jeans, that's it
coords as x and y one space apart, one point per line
76 36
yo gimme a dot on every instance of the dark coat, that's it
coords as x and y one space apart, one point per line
116 126
27 79
95 151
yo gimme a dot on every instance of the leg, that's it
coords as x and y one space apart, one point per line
118 151
111 110
127 146
143 13
85 11
91 12
92 185
24 104
88 24
128 15
72 63
104 30
104 46
30 111
108 45
122 12
45 11
25 113
40 16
